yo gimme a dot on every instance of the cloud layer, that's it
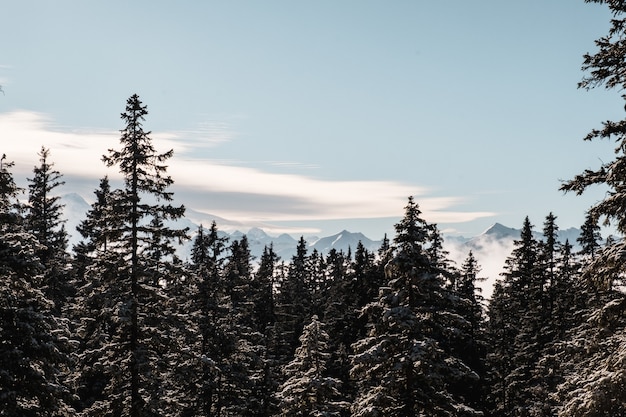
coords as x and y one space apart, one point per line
229 190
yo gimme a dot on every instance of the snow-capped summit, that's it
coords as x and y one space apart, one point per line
499 231
343 241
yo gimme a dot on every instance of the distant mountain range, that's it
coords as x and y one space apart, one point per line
491 248
284 245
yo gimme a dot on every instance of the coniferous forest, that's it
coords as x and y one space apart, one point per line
119 325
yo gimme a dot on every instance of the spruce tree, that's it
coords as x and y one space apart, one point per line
33 342
596 378
209 330
44 219
515 323
405 365
308 391
264 305
295 300
590 237
127 279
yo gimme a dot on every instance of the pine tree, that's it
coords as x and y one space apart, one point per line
33 343
307 390
471 344
136 320
45 220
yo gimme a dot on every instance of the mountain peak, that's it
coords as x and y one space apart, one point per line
499 231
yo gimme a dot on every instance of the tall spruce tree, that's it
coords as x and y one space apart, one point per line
264 305
33 351
132 359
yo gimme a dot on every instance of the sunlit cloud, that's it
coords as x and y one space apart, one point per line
231 190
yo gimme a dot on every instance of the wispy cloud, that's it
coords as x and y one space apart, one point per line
206 134
291 164
227 189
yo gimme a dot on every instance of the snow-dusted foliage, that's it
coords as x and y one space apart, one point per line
33 342
124 317
405 365
307 390
595 360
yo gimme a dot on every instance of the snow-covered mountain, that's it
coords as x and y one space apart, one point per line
491 248
284 244
344 241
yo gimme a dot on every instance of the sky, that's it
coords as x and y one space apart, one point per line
311 117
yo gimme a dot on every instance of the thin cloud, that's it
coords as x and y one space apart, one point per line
206 134
230 190
291 164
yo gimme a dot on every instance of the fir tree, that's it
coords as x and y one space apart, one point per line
209 331
264 305
295 299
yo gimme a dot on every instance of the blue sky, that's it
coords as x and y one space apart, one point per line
315 116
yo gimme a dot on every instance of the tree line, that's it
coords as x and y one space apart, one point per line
120 326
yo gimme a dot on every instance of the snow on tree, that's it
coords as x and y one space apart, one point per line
404 365
595 384
124 295
307 390
33 342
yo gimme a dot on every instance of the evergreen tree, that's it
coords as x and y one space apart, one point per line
135 322
307 390
45 220
264 305
242 364
514 325
295 300
405 366
33 343
590 237
471 344
264 282
595 383
97 229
